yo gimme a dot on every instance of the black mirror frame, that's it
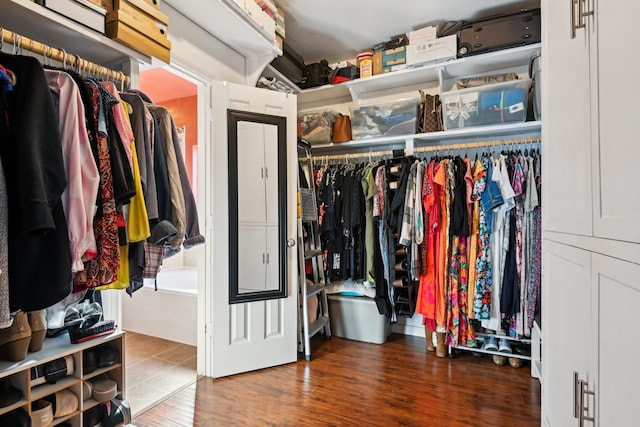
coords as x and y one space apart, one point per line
233 117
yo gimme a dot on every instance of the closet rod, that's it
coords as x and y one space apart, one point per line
480 144
348 156
60 55
462 146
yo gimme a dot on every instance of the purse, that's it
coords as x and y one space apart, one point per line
341 129
429 113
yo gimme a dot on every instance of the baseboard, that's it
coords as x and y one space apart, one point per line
405 329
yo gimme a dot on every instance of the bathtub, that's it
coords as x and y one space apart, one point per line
169 312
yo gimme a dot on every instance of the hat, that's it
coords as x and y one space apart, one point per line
8 393
104 388
161 232
63 402
41 413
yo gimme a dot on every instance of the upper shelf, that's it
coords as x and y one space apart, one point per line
46 26
370 86
230 23
433 138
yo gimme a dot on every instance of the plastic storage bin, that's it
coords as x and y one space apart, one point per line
357 318
486 105
385 118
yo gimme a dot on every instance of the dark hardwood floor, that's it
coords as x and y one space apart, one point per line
350 383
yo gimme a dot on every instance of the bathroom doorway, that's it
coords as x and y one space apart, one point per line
161 318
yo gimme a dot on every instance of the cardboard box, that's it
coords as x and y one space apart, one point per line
133 7
429 32
128 36
154 3
377 62
81 11
105 4
393 68
391 57
147 26
438 50
280 28
141 26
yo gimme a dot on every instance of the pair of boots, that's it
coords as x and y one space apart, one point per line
439 348
26 334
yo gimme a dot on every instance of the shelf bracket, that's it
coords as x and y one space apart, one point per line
409 147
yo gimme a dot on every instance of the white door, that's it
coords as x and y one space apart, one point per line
566 119
617 284
617 204
568 333
253 335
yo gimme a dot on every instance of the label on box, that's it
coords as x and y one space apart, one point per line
516 107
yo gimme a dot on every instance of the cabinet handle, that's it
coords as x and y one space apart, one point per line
572 3
576 392
580 21
580 411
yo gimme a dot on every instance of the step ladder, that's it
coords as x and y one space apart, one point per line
313 313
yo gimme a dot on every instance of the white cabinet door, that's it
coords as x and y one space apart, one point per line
271 174
617 204
568 333
618 285
566 134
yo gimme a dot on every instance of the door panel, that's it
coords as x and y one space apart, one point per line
253 335
618 347
566 134
567 332
617 207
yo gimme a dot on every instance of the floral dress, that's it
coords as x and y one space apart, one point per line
483 277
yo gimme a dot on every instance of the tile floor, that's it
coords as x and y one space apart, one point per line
156 369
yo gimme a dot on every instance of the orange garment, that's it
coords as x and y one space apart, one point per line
426 303
441 180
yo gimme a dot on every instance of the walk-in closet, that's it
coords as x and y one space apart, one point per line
282 212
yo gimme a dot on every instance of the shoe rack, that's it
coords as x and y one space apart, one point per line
19 374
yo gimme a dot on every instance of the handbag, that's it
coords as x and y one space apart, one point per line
341 129
429 113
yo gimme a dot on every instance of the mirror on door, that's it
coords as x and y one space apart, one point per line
257 206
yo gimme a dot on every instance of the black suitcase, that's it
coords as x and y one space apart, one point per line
499 32
290 64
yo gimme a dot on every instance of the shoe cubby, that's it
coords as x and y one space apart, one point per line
22 383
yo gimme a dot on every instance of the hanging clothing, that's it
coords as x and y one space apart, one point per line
33 165
78 199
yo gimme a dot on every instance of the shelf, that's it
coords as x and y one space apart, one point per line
231 24
495 353
46 26
53 348
431 138
40 391
60 420
101 371
477 64
314 289
317 325
20 403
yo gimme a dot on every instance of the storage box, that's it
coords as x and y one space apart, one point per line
486 105
395 56
130 37
430 51
357 318
139 25
386 118
81 11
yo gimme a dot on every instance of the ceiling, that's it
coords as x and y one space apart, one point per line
336 30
